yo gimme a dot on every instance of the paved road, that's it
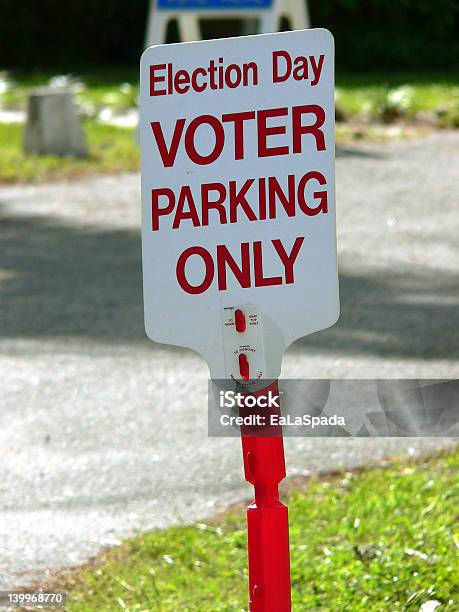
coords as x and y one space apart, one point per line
103 433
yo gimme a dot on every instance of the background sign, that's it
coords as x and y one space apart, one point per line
238 210
181 5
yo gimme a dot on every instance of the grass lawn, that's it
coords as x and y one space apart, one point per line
388 97
380 96
373 94
111 149
114 149
383 539
364 102
107 87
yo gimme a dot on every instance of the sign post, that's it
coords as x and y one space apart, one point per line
267 519
238 230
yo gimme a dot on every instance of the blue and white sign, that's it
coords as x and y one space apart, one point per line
196 5
260 16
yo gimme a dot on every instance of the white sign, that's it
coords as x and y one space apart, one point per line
264 15
238 205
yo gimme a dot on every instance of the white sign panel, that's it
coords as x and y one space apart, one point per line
238 205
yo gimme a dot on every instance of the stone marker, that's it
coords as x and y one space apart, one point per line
53 126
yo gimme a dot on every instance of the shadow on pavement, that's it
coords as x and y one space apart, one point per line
59 280
411 314
65 280
342 151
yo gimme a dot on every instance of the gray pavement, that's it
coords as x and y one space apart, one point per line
87 452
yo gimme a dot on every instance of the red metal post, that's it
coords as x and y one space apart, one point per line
267 518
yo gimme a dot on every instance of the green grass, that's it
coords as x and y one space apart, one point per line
413 101
384 539
112 88
378 96
389 97
111 149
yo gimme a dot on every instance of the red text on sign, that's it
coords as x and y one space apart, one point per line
249 272
271 125
259 199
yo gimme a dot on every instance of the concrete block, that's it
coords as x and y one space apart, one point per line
53 126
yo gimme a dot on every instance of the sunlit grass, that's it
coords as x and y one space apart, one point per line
407 103
387 99
115 89
379 96
114 149
384 539
111 149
